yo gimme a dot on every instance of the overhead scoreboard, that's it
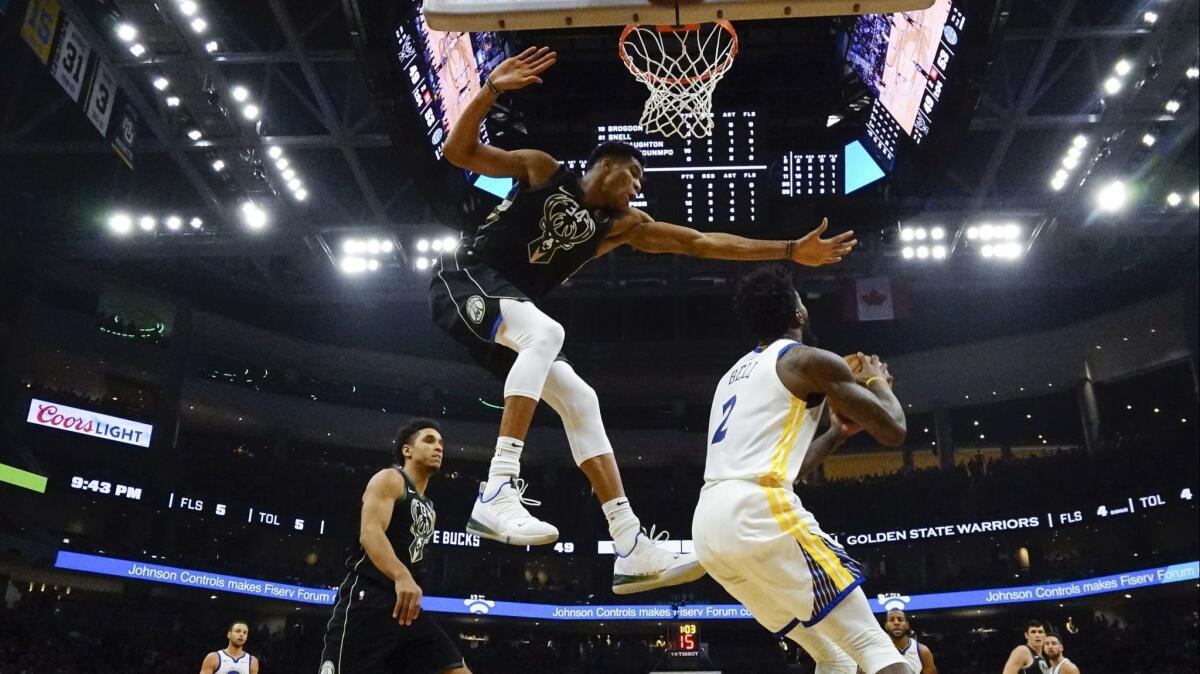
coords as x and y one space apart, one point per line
700 182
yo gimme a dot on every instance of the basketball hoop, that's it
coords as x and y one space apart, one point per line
681 66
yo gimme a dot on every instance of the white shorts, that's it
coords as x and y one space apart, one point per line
769 553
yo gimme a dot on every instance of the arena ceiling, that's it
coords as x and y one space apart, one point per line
363 177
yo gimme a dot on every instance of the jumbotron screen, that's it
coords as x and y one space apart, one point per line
904 59
445 70
699 182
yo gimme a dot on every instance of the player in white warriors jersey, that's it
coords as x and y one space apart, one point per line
751 532
233 659
917 655
1053 650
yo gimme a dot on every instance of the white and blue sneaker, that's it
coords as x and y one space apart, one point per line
649 567
504 518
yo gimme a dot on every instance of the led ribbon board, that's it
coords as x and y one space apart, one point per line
479 605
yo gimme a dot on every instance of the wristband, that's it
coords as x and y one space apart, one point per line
491 86
867 383
788 253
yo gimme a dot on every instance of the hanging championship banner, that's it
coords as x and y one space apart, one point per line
101 98
71 60
38 30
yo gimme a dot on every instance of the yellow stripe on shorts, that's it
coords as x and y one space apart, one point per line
814 545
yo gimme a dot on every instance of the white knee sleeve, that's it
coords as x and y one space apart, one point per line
536 338
829 658
577 404
852 626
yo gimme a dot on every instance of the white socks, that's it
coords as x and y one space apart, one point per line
506 464
623 525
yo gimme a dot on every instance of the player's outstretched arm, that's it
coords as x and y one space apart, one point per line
867 401
209 666
384 489
648 235
463 148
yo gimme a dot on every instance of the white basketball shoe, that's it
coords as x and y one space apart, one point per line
504 518
649 567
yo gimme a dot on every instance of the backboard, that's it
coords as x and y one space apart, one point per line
484 15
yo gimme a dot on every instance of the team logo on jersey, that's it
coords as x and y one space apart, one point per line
475 309
421 529
327 668
565 224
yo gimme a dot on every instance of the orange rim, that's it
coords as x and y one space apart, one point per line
718 69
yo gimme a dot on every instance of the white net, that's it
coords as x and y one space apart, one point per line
681 67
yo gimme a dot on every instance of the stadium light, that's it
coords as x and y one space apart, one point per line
920 234
174 223
1112 85
1149 140
922 252
908 252
251 112
449 244
1112 196
300 194
387 246
282 163
211 46
126 32
199 25
172 101
422 263
161 83
188 7
422 245
373 246
937 233
350 246
907 234
239 93
254 217
196 223
1172 106
1122 67
1080 141
294 184
218 165
147 223
1150 18
1070 162
289 174
939 252
195 134
1193 72
1196 199
373 264
436 245
1174 199
137 49
275 152
353 265
120 223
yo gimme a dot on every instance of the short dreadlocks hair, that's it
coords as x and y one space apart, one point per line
407 432
766 302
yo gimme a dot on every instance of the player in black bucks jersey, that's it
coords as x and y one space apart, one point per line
552 223
377 625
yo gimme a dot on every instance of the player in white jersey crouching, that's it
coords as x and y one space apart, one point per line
751 532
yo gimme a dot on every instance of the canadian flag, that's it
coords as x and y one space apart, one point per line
875 299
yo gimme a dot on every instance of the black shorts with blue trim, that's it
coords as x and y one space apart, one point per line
464 301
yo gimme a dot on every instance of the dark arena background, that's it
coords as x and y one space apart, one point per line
219 219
